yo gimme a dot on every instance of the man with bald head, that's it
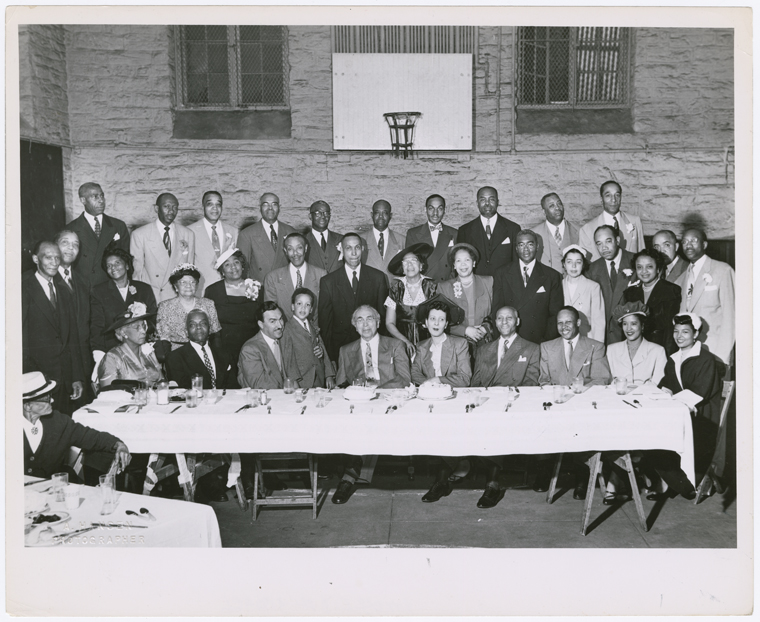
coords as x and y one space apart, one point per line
707 289
96 230
493 235
381 243
665 242
262 242
160 246
555 233
323 251
441 237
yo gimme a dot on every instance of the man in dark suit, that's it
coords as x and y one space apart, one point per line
492 234
532 288
261 362
614 274
96 230
441 237
381 242
322 243
666 242
198 356
49 327
342 291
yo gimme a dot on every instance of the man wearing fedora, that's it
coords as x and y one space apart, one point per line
47 441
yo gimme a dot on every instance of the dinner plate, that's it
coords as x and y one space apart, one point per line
64 516
360 399
437 399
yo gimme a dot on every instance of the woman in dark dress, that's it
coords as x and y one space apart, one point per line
237 299
661 297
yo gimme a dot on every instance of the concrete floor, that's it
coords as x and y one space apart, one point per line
389 513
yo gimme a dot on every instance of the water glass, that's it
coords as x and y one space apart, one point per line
197 384
621 386
289 386
71 494
300 395
577 385
253 397
141 396
559 394
162 393
107 494
210 395
60 481
191 398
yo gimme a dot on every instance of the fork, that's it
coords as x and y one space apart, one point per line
594 405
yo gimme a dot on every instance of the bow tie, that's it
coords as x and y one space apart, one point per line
438 227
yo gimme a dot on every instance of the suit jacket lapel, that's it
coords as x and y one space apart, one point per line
42 301
699 282
580 356
385 362
537 278
107 231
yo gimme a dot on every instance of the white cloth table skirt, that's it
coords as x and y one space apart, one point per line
412 429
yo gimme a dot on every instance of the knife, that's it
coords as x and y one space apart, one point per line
631 405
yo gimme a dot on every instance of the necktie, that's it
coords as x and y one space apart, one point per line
381 245
355 284
167 241
568 353
558 237
208 366
488 231
53 297
299 280
438 227
97 227
324 243
690 281
506 349
368 366
525 276
215 241
613 275
273 237
306 326
276 352
67 275
616 224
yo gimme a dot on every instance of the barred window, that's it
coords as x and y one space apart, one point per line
403 39
228 67
570 68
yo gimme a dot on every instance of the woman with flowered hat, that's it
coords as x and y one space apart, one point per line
582 293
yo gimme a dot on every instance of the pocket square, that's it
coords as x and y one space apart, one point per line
505 241
451 242
521 359
711 288
541 290
587 363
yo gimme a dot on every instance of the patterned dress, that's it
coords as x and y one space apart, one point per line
172 315
120 363
406 307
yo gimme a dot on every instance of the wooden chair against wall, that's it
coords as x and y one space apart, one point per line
711 478
293 499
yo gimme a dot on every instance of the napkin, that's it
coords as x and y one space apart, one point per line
113 397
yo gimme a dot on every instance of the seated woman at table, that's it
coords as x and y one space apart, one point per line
662 298
637 359
172 313
582 293
237 299
442 358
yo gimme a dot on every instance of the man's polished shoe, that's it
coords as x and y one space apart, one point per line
342 492
491 496
439 489
541 483
580 490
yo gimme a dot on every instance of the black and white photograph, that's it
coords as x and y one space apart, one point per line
344 292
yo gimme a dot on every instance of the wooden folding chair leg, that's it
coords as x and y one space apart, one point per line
595 468
555 477
155 461
313 468
256 482
187 461
635 491
242 501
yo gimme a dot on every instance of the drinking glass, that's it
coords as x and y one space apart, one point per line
141 396
107 495
197 384
71 493
621 386
300 395
191 398
577 385
60 481
289 386
253 397
162 393
559 394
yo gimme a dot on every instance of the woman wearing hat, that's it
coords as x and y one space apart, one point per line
471 292
636 358
662 298
442 358
582 293
173 312
128 361
237 299
409 290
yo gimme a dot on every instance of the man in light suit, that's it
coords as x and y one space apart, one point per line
707 289
614 274
628 226
532 288
261 243
161 246
491 234
555 233
381 242
96 230
378 360
665 242
441 237
212 237
322 243
261 362
280 283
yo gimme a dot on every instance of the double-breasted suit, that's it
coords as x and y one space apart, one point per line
588 362
152 262
298 352
518 368
613 296
91 248
587 299
184 362
392 364
548 252
438 262
496 253
631 234
278 286
455 362
537 304
394 243
106 304
337 303
256 245
328 259
257 367
205 257
664 302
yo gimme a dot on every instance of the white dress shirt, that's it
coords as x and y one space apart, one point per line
434 232
302 270
671 265
45 284
318 235
34 439
199 350
162 229
274 346
573 341
551 228
436 349
529 266
268 228
350 271
91 220
377 233
219 230
373 345
609 219
695 268
500 352
489 221
62 271
618 259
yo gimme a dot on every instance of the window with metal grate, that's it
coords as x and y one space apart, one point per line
404 39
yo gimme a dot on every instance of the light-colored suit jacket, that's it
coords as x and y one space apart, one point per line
278 286
455 362
297 347
713 300
394 243
588 361
548 253
483 288
257 367
519 368
438 262
589 302
261 256
681 266
393 364
648 364
205 257
151 261
631 234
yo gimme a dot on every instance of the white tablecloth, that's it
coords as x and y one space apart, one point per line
177 524
412 429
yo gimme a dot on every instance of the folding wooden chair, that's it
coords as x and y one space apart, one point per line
291 499
710 478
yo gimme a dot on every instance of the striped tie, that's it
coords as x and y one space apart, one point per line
97 227
215 241
167 241
299 280
368 366
207 362
558 237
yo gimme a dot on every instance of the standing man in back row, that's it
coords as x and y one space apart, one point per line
555 233
491 234
441 237
323 244
381 242
212 238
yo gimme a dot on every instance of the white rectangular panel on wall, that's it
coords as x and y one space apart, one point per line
367 85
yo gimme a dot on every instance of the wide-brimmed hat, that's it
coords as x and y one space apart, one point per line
137 311
629 308
224 257
420 250
459 246
456 313
34 384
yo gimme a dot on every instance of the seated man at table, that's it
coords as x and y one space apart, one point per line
47 442
198 356
372 359
569 356
261 364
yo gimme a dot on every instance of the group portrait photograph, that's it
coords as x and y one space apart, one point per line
344 292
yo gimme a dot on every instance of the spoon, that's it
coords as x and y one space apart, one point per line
146 512
430 408
133 513
637 402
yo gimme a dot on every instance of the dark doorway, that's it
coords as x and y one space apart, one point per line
43 212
